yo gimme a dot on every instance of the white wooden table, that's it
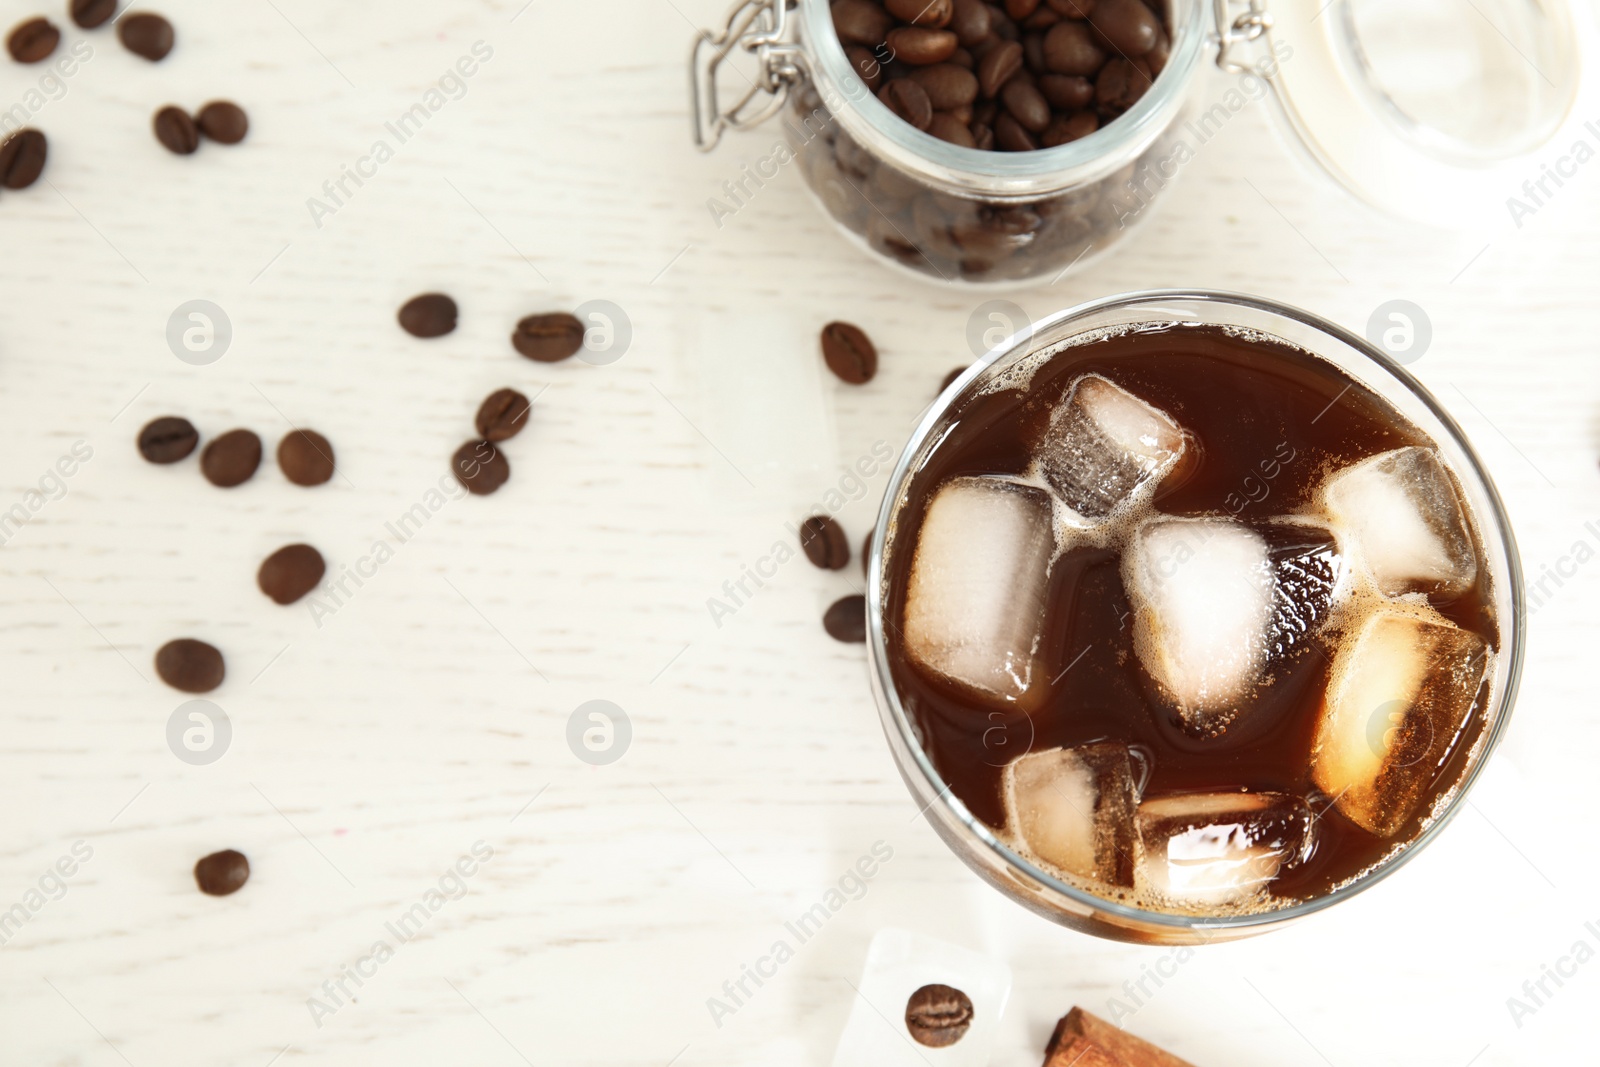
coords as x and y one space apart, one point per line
374 746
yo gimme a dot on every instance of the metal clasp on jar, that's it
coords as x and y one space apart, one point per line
1235 32
760 27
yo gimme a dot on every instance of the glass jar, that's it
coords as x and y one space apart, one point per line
972 840
1421 109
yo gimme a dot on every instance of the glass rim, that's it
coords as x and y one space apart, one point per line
1497 526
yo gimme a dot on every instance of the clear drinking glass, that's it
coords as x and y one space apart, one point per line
1015 875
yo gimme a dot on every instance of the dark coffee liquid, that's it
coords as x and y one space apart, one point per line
1268 422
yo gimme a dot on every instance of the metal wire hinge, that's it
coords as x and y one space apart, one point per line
1232 33
761 28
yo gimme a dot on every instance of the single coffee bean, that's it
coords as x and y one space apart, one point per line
920 46
1026 104
949 127
89 14
947 85
480 467
997 66
846 620
168 440
305 457
938 1016
33 41
549 338
176 131
231 459
1119 86
222 873
908 100
1011 136
1064 129
190 666
865 63
22 158
950 379
849 353
290 573
1128 25
935 13
824 543
1065 92
502 415
969 21
428 315
861 22
1070 48
1021 9
147 35
1033 53
223 122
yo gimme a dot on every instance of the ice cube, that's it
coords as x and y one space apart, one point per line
1074 809
1221 848
975 603
1402 518
1103 444
1202 595
1307 569
1399 696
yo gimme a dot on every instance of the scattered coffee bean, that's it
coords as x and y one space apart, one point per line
480 467
846 620
947 85
921 46
231 459
950 379
168 440
222 873
1128 25
948 127
190 666
33 41
1026 104
938 1016
908 100
997 66
176 131
22 158
428 315
849 353
1070 48
824 543
502 415
223 122
549 338
306 457
861 22
147 35
291 572
1065 92
89 14
969 21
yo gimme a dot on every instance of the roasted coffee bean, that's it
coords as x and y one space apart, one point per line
1120 85
231 459
920 46
865 63
1001 24
1066 92
22 158
502 415
908 100
861 22
824 543
849 352
1033 53
950 379
176 131
1064 129
1070 48
983 136
549 338
938 1016
969 21
480 467
947 85
1011 136
1026 104
190 666
223 122
290 573
146 35
948 127
168 440
846 620
428 315
935 13
305 457
222 873
1040 21
90 14
1072 9
997 66
1021 9
33 41
1127 25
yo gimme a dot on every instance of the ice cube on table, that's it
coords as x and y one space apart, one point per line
1074 809
1202 595
1402 519
1221 848
1103 443
899 963
975 604
1399 696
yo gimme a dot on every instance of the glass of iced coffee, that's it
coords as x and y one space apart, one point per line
1190 614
